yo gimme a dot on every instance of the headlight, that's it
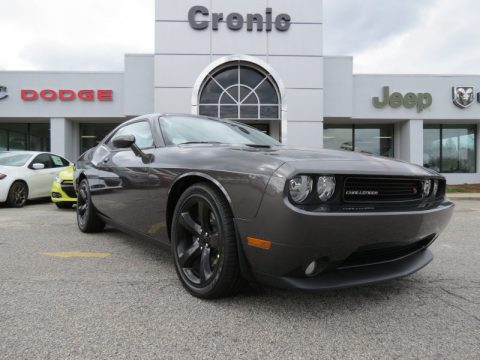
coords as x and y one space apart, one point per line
325 187
427 185
2 176
300 187
435 187
58 180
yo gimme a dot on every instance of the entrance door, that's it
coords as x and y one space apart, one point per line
265 128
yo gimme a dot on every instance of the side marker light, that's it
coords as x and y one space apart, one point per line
259 243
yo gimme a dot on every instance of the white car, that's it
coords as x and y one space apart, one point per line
26 175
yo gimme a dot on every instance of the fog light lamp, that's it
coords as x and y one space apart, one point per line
311 268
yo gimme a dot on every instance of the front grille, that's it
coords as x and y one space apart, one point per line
374 190
384 252
67 188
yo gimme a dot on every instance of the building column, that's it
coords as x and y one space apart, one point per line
62 137
305 134
411 141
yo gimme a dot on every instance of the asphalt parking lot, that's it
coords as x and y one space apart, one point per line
119 297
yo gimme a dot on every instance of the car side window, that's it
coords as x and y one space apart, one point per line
43 159
58 161
142 132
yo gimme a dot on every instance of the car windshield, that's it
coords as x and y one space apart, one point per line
179 130
14 159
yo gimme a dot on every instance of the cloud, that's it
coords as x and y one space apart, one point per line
63 57
443 42
408 36
74 35
351 26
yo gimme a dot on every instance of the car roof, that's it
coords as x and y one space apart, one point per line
157 115
26 152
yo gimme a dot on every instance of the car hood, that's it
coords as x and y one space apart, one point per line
340 162
66 174
288 154
10 169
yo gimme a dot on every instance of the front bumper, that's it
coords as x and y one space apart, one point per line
344 278
4 189
62 193
350 248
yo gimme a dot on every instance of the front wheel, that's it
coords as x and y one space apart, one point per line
203 243
87 217
18 194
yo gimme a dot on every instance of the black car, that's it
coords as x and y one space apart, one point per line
233 203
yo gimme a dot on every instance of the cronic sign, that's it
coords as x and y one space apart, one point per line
199 18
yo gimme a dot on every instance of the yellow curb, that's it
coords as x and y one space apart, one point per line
70 254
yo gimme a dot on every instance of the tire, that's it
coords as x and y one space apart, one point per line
64 205
203 243
87 218
17 195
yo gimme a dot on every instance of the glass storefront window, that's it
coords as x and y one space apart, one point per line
39 137
338 137
450 148
26 136
372 139
3 140
431 147
376 140
92 134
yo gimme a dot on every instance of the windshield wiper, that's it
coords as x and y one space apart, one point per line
200 142
260 146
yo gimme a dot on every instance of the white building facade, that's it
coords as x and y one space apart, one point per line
260 62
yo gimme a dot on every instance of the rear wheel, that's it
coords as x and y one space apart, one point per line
18 194
204 243
64 205
87 217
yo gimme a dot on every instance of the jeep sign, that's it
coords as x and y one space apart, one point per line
410 100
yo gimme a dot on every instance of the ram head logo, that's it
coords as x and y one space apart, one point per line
463 96
3 92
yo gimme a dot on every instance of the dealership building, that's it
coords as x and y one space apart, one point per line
260 62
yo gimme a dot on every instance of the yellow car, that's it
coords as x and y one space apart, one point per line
63 193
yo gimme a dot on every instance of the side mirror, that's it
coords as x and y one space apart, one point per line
128 141
38 166
124 141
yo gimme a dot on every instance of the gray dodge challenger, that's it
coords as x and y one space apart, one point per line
235 205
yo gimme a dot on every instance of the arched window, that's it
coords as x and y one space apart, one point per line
239 91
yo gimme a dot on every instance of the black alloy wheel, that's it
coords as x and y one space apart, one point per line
204 243
87 217
18 194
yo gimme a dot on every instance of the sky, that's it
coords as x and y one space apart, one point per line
383 36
